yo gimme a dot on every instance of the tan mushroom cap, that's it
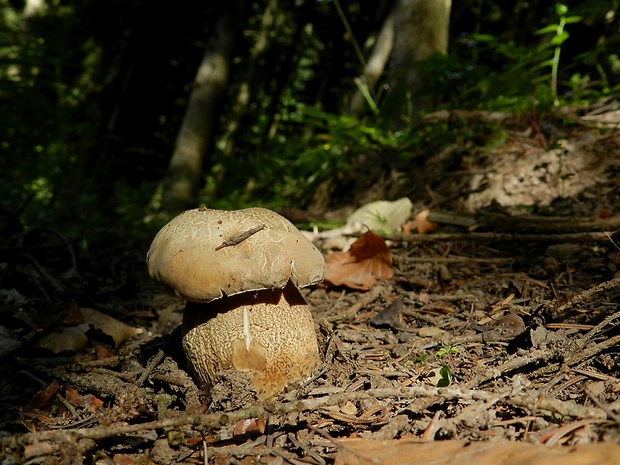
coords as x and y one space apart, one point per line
203 254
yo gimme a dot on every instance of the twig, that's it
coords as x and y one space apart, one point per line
58 396
366 299
500 237
597 329
339 444
588 293
67 405
240 237
500 260
564 408
156 360
579 354
603 406
504 368
128 377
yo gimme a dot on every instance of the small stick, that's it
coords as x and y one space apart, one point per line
156 360
240 237
589 293
603 406
366 299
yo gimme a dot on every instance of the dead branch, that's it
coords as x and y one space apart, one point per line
581 237
509 367
214 421
589 293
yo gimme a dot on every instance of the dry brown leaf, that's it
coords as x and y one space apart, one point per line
88 401
44 397
249 426
391 316
367 261
70 339
73 315
111 327
362 452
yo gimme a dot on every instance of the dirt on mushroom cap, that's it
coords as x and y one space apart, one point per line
203 254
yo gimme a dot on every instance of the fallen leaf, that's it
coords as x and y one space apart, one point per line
44 397
88 401
73 315
391 316
70 339
246 426
367 261
382 215
348 408
431 331
109 326
102 352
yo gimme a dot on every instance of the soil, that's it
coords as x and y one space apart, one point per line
501 332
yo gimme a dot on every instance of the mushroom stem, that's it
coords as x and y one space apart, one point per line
268 333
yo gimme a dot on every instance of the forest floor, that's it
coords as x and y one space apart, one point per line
496 340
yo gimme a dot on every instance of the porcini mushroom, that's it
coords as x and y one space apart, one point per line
239 272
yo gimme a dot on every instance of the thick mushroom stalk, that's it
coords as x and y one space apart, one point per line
269 334
240 272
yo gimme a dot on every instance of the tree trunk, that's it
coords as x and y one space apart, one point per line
183 179
288 62
375 65
421 30
243 96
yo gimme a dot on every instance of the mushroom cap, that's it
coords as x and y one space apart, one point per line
204 254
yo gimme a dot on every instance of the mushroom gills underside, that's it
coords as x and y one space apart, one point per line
268 334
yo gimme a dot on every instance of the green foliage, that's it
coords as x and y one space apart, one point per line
447 350
512 71
560 35
292 169
446 377
80 150
45 78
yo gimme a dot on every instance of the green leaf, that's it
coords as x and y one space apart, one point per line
572 19
560 38
446 376
542 64
447 350
547 29
483 37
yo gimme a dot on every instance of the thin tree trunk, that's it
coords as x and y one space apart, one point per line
375 65
182 182
243 96
421 30
34 8
287 64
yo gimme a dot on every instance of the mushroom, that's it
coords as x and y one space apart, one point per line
239 272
